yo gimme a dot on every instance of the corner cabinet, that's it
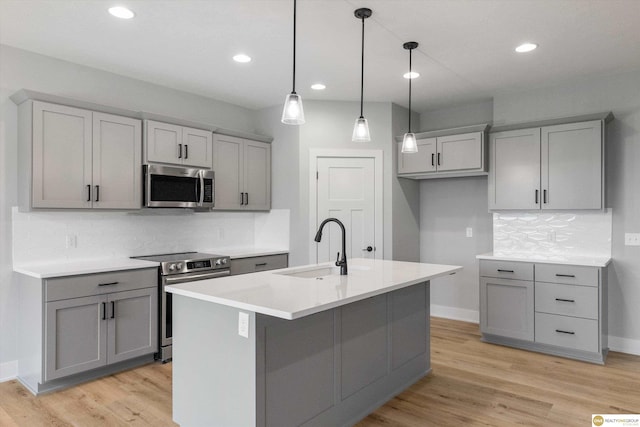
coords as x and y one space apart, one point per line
242 174
554 167
77 158
446 153
91 325
177 145
562 312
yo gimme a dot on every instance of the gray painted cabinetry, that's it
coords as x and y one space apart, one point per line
177 145
560 166
242 173
446 153
77 158
90 325
551 308
258 263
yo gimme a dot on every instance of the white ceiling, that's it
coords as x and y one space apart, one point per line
465 54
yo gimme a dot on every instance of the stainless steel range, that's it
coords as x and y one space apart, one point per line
179 268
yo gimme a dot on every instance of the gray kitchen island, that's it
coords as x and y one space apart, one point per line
300 346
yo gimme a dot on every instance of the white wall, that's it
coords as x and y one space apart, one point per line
621 95
459 115
20 69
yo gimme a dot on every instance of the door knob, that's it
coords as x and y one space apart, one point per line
368 249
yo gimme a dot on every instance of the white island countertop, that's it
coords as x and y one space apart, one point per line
587 261
276 294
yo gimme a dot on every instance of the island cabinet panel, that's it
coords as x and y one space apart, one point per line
408 325
363 336
299 366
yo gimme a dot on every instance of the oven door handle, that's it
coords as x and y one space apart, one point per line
191 278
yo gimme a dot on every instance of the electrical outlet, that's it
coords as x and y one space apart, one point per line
469 232
632 239
243 324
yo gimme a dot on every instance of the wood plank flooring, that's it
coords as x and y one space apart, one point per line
472 384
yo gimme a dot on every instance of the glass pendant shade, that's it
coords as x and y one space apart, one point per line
409 144
293 112
361 130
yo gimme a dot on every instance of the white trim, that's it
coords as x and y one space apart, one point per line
377 156
455 313
624 345
8 370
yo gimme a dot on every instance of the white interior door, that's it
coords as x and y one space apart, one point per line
346 190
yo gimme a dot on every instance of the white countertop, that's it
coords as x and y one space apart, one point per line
588 261
290 297
74 268
235 253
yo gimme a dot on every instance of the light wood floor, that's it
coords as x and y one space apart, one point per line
472 384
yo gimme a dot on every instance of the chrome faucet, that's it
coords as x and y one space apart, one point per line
340 262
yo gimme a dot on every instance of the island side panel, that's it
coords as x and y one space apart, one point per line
214 368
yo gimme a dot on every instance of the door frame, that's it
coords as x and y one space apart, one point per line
377 156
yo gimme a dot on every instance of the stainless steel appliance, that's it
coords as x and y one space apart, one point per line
179 268
177 187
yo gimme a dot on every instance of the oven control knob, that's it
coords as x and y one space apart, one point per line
172 267
224 260
179 266
219 262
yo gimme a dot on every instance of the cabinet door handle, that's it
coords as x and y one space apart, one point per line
104 311
241 199
97 193
565 300
113 309
88 192
179 151
433 155
544 196
565 275
438 159
262 264
537 196
505 271
108 284
560 331
186 151
247 201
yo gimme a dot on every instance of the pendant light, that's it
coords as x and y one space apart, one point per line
409 144
361 127
293 113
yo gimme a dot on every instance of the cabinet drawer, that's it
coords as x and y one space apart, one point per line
506 269
97 284
564 331
569 274
260 263
569 300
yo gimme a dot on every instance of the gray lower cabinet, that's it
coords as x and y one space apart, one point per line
78 327
259 263
562 312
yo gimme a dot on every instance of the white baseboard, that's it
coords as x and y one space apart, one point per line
455 313
8 370
624 345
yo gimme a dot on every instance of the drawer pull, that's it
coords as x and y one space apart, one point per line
505 271
108 284
262 264
565 275
565 300
560 331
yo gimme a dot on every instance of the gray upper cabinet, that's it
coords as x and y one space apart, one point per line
76 158
242 173
560 166
446 153
177 145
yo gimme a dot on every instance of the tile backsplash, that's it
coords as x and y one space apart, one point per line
75 235
557 233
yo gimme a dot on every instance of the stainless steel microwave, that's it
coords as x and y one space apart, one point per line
177 187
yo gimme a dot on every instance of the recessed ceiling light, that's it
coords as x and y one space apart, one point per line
121 12
526 47
318 86
411 75
241 57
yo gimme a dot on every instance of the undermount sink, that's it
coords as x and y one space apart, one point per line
319 272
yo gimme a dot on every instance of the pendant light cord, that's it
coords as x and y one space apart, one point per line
294 47
362 72
410 78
